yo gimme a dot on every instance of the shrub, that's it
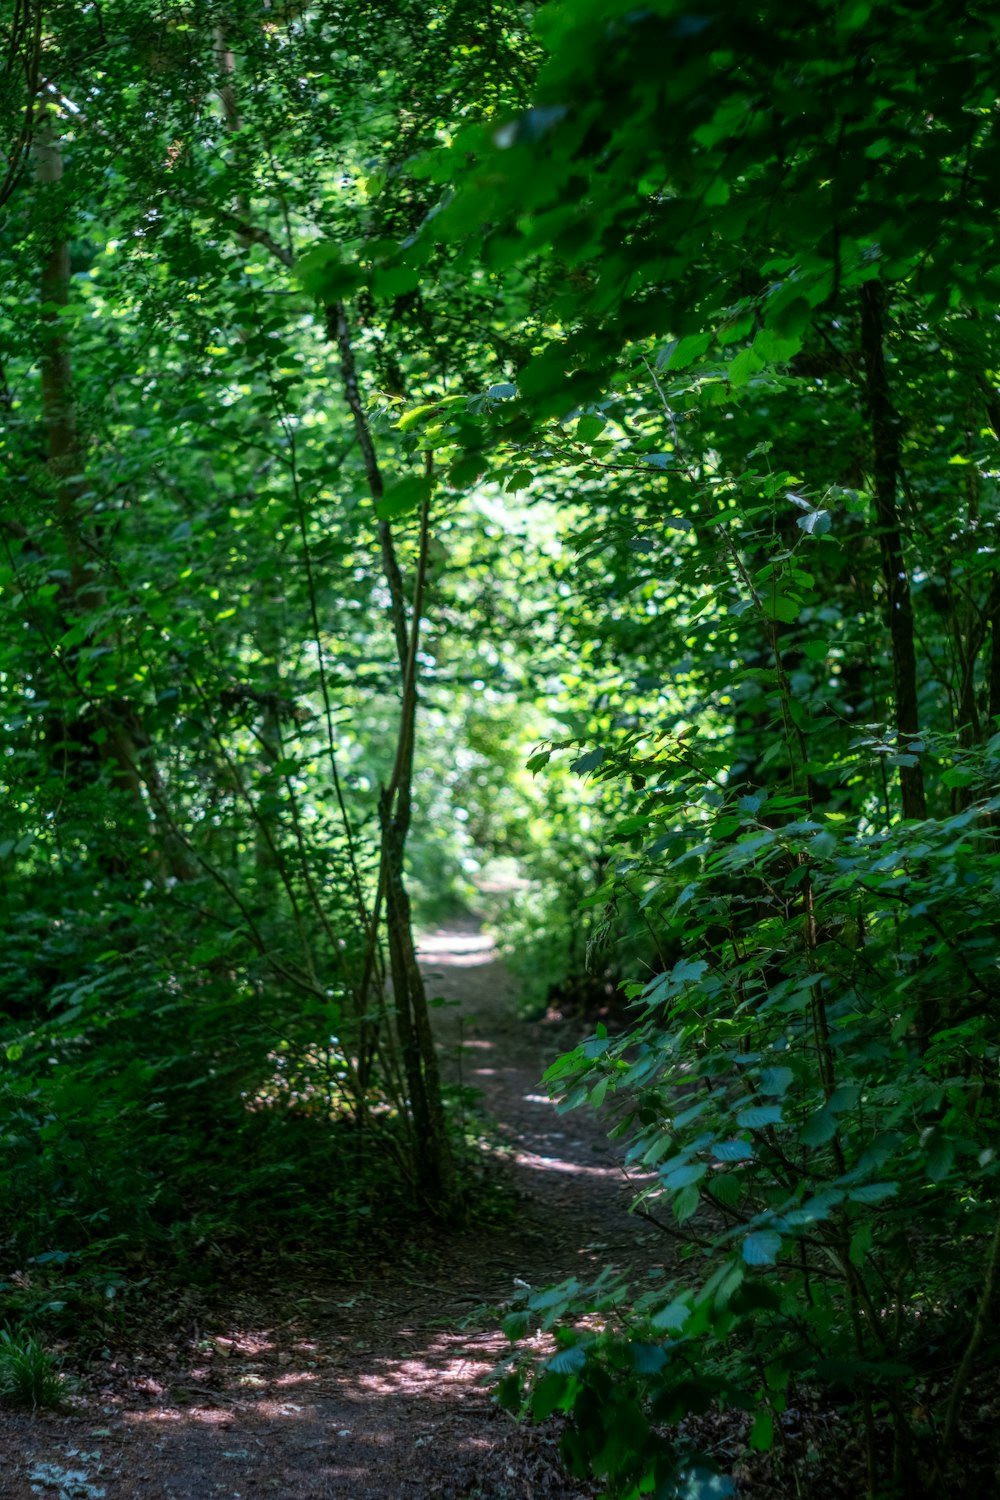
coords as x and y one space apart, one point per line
810 1097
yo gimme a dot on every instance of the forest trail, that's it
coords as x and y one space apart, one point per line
371 1391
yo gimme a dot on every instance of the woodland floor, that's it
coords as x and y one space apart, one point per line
375 1390
368 1390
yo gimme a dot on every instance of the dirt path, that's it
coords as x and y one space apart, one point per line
372 1392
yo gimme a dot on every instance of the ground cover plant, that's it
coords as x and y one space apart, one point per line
28 1373
550 440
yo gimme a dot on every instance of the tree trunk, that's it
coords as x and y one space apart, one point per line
885 430
433 1152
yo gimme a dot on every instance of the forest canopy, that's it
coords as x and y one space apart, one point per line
541 459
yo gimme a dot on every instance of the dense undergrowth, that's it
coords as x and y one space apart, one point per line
809 1097
444 435
169 1122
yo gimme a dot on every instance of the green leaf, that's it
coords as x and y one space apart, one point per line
746 364
873 1192
819 1128
568 1361
730 1282
771 347
727 1188
549 1391
757 1116
844 1098
688 970
853 15
732 1150
672 1317
791 319
402 496
520 479
686 1203
681 1177
816 1209
588 762
419 416
780 607
395 281
647 1359
687 350
509 1392
324 272
515 1325
762 1432
815 522
588 428
940 1158
776 1080
957 776
761 1248
861 1243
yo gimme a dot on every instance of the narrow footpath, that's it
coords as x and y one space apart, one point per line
374 1391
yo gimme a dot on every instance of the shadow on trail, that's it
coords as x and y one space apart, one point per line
373 1393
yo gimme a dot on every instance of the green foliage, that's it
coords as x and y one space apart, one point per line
760 359
170 1111
199 683
658 432
813 1154
29 1375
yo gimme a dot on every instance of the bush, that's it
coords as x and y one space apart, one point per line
163 1112
811 1093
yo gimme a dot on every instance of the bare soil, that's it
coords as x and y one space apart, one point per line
373 1391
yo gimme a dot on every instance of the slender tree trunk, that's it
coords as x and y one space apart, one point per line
63 448
434 1162
993 603
432 1148
269 644
885 429
994 689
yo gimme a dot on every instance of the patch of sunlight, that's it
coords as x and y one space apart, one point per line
208 1416
443 1365
280 1409
556 1164
456 950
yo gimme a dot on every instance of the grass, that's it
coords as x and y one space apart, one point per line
29 1376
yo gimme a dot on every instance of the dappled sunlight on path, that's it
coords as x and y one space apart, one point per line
455 950
374 1392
